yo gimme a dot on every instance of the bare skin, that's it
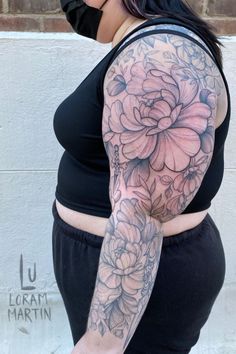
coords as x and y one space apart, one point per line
97 225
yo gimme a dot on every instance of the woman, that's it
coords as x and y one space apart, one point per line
136 253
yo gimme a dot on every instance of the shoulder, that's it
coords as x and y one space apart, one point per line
174 54
166 28
187 63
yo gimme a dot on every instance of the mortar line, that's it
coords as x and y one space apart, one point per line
5 6
204 7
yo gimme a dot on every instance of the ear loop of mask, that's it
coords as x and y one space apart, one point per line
103 4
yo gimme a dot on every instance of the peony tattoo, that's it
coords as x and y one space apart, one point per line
127 269
160 99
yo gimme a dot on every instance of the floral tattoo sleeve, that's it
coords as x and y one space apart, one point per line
160 99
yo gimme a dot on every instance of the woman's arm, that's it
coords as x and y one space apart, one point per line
158 131
128 265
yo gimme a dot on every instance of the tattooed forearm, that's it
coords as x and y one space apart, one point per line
128 265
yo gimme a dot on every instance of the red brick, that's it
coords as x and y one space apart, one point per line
57 24
197 5
224 26
23 15
34 6
17 23
221 8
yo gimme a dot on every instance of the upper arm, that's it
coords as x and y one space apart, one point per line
159 124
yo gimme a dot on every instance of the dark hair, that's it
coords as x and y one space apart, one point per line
147 9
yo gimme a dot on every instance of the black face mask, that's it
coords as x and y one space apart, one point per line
84 19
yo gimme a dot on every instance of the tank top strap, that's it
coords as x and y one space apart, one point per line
161 20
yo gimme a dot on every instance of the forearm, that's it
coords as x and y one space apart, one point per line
127 270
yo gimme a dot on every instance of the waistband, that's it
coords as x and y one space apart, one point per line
95 240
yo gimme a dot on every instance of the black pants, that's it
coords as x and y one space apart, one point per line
190 276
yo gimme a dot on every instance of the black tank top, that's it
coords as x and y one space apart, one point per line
83 173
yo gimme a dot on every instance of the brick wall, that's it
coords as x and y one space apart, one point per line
46 15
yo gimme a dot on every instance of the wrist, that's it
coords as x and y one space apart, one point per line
108 344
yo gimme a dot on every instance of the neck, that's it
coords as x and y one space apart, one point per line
127 26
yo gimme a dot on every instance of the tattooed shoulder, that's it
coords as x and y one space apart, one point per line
160 102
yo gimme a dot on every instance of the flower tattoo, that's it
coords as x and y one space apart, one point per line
158 128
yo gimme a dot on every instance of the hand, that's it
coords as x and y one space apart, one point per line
86 346
80 347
